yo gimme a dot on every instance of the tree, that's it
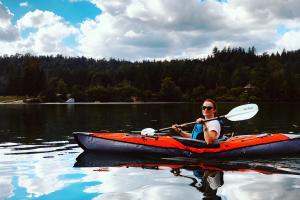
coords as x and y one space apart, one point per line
34 80
125 92
274 76
99 93
199 93
78 93
169 91
62 87
215 51
240 76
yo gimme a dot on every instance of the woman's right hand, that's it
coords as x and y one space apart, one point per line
176 128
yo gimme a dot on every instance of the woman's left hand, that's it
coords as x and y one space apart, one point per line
200 120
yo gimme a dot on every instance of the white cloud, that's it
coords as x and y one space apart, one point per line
289 41
267 16
141 29
51 31
8 32
243 185
39 176
6 187
24 4
38 19
47 33
37 185
173 29
267 9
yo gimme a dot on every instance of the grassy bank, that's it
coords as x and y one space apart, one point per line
8 99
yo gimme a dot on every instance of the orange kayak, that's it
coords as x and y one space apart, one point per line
239 146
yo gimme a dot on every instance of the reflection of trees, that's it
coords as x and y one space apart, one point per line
22 122
206 181
33 123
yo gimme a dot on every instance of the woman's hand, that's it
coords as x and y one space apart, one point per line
177 128
200 120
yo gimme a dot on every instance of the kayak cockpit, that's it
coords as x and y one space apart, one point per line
195 143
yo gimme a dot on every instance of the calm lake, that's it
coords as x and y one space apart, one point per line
39 158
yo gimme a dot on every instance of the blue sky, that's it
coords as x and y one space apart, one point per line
143 29
73 12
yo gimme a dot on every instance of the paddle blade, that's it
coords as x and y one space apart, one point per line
242 112
148 131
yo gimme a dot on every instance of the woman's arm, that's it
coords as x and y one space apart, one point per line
185 134
210 136
181 132
211 133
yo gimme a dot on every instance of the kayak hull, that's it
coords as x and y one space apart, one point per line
239 147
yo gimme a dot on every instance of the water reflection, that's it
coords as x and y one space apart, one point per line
42 172
289 165
206 177
37 155
206 181
46 173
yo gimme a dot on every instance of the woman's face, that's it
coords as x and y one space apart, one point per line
208 109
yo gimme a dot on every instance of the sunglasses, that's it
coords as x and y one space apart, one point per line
207 107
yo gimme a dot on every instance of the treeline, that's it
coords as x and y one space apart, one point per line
229 74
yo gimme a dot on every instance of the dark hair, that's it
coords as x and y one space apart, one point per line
211 101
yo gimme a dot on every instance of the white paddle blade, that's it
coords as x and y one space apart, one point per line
242 112
148 131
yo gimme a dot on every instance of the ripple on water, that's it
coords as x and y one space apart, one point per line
45 147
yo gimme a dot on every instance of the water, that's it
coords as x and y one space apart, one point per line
38 155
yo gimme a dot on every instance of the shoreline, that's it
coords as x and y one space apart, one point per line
78 103
13 102
20 102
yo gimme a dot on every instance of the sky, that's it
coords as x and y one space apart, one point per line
143 29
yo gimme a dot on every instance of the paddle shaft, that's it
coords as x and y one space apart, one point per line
190 123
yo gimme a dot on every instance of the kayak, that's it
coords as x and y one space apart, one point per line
265 144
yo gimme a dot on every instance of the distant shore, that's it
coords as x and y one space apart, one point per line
96 102
25 100
22 100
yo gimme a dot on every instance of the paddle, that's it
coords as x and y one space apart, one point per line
239 113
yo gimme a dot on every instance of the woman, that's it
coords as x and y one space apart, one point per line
209 131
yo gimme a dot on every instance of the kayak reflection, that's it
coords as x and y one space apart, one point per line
207 175
96 159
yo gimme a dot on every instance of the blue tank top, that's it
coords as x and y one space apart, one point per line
198 134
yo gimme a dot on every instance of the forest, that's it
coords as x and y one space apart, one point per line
228 74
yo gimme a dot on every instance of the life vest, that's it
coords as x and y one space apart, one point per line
198 134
